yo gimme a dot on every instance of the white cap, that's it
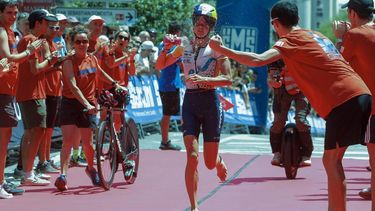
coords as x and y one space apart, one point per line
61 17
147 45
94 18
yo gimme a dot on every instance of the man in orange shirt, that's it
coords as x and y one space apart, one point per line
31 95
340 96
357 46
8 14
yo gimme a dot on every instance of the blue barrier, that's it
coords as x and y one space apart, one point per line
145 107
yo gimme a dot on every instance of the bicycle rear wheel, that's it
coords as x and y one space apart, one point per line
106 155
130 163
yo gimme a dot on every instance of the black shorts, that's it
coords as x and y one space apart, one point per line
346 124
170 102
8 117
53 106
202 109
34 113
72 113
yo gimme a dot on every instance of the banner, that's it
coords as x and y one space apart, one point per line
145 107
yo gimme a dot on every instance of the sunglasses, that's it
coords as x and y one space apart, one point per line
55 28
79 42
120 37
273 20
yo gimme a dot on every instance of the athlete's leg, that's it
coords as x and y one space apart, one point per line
191 169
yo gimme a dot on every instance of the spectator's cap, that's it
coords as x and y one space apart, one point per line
360 5
147 45
95 18
40 14
61 17
72 19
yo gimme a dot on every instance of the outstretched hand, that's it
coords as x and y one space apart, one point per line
215 43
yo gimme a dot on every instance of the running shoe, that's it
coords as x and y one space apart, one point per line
169 146
306 161
365 193
276 160
34 181
94 176
4 194
46 167
12 188
129 169
61 183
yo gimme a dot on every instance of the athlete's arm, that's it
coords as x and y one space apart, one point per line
246 58
164 60
46 65
222 75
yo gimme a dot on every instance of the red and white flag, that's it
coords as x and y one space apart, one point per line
225 103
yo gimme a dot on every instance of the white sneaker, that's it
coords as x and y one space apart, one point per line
306 161
276 160
4 194
42 176
34 181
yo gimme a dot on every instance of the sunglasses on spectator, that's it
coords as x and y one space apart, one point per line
273 20
55 28
79 42
120 37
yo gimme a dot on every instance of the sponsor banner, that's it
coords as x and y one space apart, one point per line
145 107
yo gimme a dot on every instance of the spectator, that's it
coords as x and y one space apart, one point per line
53 88
340 98
169 86
144 36
73 22
80 72
59 39
286 92
143 64
31 96
8 77
22 26
357 46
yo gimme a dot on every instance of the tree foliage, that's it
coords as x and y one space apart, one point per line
326 28
151 13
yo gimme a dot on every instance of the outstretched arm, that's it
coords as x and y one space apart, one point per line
246 58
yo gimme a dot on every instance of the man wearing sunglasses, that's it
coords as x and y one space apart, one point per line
53 88
333 88
31 96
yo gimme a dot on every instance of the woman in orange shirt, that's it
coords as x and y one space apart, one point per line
79 93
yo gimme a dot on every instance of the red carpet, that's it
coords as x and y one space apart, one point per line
253 185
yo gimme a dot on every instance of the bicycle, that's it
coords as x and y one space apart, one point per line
114 148
290 151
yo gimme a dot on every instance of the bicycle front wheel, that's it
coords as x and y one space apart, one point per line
106 155
130 163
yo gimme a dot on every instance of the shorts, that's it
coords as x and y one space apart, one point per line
34 113
53 107
346 124
202 108
72 113
170 102
370 132
8 117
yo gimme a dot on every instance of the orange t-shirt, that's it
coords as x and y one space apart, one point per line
119 73
29 86
358 49
319 70
8 80
85 72
53 77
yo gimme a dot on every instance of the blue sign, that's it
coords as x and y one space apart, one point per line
244 25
